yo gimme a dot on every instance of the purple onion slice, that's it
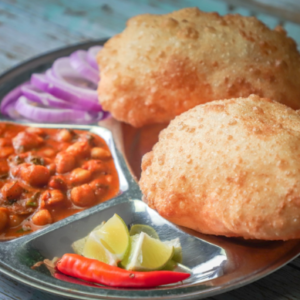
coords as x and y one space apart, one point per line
37 113
92 56
78 61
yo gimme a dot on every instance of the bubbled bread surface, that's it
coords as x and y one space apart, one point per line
163 65
229 167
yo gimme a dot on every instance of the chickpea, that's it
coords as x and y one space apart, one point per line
93 165
65 135
52 197
98 182
89 137
6 152
65 162
14 220
58 182
51 168
16 170
3 218
83 195
42 218
34 175
46 162
4 168
47 152
99 186
4 142
12 190
25 141
100 153
81 149
62 147
109 178
35 130
80 176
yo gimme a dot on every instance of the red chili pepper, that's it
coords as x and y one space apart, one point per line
66 278
96 271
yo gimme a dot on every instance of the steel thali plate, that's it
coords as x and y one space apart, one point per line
218 264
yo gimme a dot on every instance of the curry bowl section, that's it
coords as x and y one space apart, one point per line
48 174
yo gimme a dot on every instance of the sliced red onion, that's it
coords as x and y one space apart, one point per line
41 114
39 81
78 61
11 112
63 71
46 99
49 84
65 93
72 93
11 97
92 54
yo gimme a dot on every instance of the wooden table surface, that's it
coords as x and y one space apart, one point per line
30 28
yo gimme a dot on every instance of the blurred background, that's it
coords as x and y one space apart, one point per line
31 27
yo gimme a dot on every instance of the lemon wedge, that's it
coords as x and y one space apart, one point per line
78 245
114 235
177 255
94 248
133 244
108 243
147 253
170 265
140 249
138 228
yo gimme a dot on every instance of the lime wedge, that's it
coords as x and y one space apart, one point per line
147 253
78 245
170 265
114 236
133 241
177 256
93 248
138 228
109 242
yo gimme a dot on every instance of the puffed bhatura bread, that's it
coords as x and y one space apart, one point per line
229 167
163 65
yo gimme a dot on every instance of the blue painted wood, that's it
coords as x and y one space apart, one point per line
31 27
41 25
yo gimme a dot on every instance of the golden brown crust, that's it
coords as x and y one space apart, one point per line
229 167
163 65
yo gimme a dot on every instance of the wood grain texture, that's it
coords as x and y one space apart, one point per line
30 28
